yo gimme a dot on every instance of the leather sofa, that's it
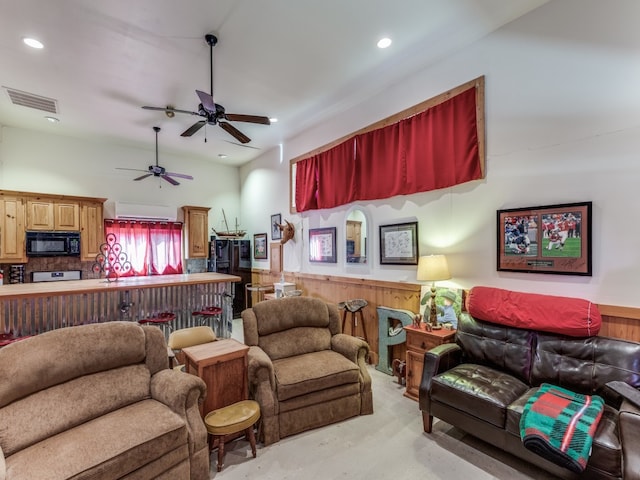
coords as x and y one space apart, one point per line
481 383
99 401
302 370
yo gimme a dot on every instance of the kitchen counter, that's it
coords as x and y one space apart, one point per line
33 308
21 290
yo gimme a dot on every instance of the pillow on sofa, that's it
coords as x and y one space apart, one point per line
564 315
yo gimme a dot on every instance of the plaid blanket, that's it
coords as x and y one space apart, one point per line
559 425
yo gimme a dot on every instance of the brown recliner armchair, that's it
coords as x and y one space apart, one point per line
303 371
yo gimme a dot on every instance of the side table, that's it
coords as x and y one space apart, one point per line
223 367
418 342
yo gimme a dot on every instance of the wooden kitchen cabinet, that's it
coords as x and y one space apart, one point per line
196 225
418 342
91 230
44 214
39 215
12 228
66 216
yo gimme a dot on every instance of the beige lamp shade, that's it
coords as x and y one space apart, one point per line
432 268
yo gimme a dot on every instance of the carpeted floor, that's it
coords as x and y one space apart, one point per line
389 444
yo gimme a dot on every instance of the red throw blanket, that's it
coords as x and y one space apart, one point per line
559 425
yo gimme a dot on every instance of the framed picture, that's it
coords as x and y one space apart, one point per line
276 233
450 303
399 244
546 239
322 245
260 246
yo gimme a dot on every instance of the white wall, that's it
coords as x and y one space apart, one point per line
48 163
562 125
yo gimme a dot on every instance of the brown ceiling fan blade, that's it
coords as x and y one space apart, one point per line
179 175
170 180
142 177
131 169
207 101
237 134
235 117
193 129
175 110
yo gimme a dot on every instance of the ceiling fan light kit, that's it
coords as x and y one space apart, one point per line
158 171
213 113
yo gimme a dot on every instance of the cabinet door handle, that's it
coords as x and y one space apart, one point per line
423 346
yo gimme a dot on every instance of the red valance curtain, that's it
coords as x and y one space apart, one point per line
436 148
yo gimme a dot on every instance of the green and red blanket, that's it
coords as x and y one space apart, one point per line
559 425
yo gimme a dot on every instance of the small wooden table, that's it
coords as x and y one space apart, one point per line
418 342
223 367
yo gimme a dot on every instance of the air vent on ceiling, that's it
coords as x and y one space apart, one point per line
31 100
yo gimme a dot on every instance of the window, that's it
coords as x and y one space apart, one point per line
152 248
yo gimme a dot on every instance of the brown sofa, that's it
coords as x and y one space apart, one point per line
303 372
481 383
99 401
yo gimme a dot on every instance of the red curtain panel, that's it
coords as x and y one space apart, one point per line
434 149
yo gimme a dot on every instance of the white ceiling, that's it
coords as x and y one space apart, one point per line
302 61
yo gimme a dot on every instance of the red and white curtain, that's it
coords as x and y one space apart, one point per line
152 248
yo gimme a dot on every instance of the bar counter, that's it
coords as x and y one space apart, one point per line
33 308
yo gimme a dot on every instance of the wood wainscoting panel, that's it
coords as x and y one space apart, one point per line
334 289
617 322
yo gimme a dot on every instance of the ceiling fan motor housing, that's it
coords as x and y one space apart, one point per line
156 170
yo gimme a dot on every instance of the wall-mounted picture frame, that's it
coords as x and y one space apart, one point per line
260 246
399 244
545 239
276 233
322 245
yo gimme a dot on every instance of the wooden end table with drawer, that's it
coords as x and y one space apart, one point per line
418 342
223 367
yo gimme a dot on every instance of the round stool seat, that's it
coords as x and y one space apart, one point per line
233 418
164 317
9 338
208 311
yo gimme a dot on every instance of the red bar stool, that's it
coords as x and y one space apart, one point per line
9 338
212 317
164 320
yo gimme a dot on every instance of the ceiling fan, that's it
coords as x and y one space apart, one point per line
158 171
214 113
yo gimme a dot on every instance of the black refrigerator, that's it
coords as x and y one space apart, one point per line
232 257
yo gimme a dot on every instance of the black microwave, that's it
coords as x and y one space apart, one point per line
53 244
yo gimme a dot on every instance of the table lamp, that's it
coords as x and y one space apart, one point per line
433 268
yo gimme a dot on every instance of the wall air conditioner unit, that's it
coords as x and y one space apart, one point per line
136 211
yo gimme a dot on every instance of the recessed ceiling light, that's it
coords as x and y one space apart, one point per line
384 42
273 119
52 119
32 42
222 155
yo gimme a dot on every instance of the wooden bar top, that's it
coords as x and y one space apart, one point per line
71 287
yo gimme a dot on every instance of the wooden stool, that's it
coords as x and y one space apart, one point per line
235 418
355 307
